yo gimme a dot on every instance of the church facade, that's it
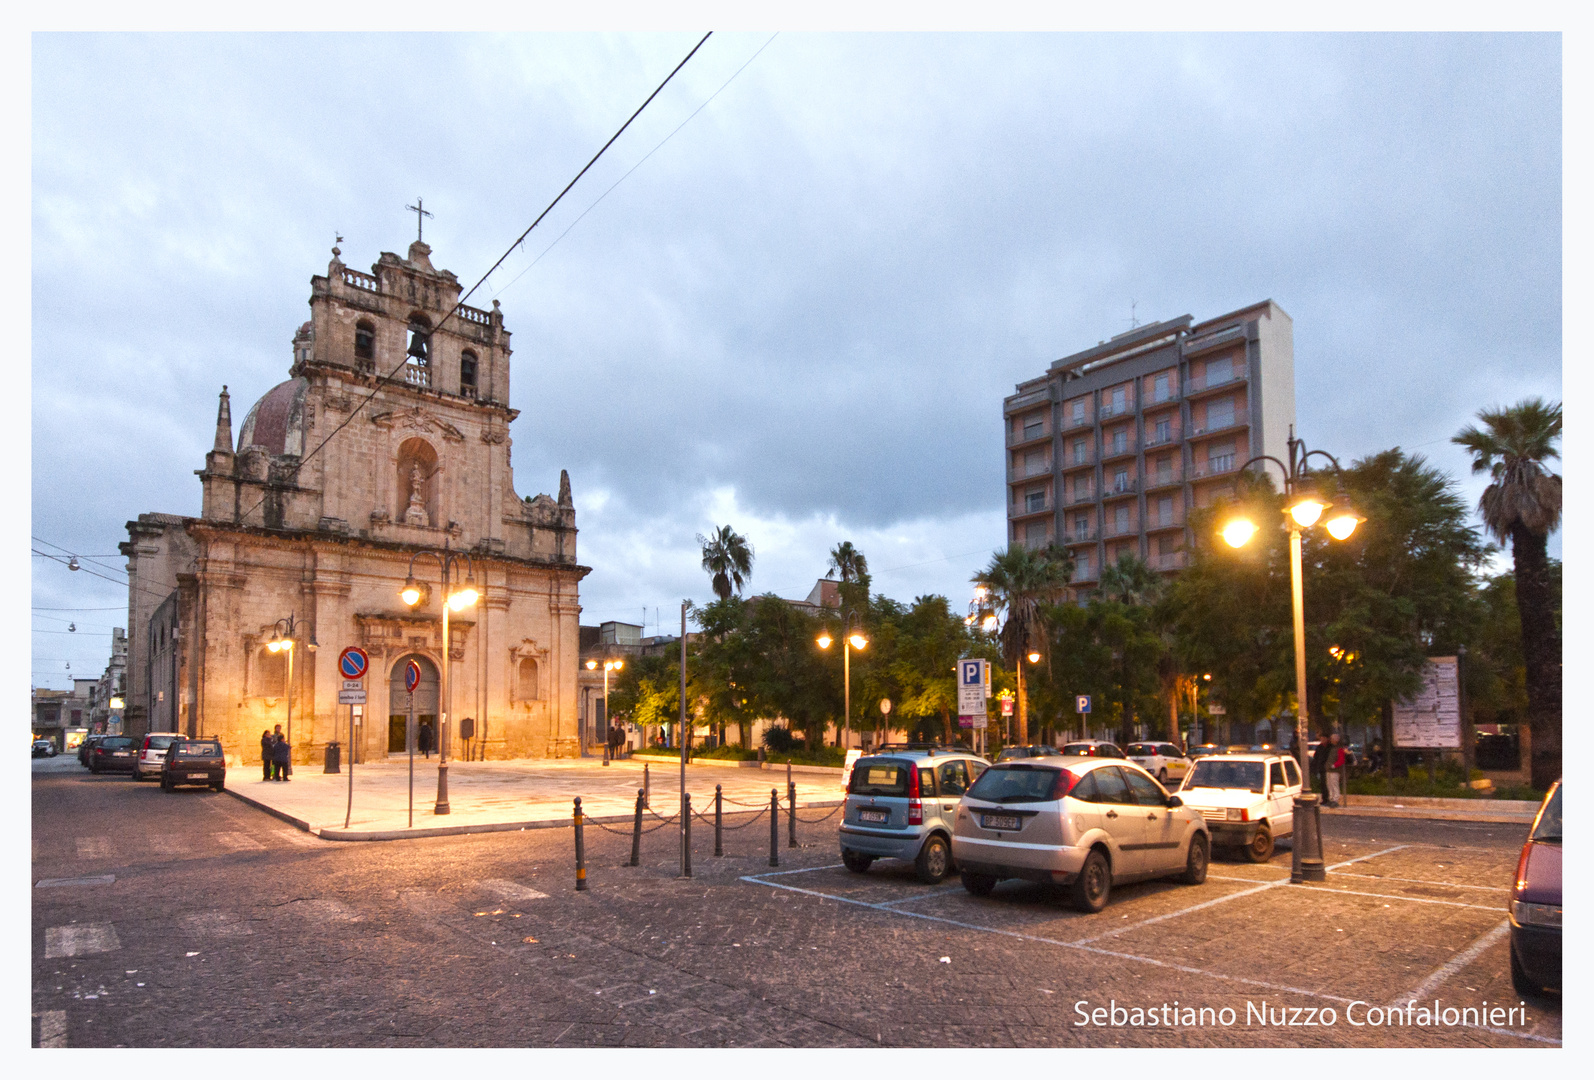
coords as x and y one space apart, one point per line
385 453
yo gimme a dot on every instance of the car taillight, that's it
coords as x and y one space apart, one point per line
1245 815
1064 783
915 807
1522 868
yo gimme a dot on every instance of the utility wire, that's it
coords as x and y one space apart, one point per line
637 166
91 573
384 380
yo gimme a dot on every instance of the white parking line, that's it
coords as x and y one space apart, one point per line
1352 892
1425 881
1455 964
80 940
94 847
238 841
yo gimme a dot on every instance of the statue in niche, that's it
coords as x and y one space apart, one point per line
415 514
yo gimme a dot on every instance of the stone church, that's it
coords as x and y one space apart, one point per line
389 442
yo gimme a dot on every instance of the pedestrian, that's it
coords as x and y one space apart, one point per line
281 756
265 753
1320 766
424 738
616 740
1334 774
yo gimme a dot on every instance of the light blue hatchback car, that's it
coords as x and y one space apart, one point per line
901 805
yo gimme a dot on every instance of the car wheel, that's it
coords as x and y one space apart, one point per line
1162 776
1195 863
94 767
1094 883
856 861
166 784
217 786
934 861
1260 849
978 884
1524 986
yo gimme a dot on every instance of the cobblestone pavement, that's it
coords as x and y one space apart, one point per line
190 919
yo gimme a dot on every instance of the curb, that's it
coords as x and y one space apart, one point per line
303 826
1419 813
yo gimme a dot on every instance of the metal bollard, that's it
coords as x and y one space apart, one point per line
606 753
1306 846
647 786
686 836
774 828
581 851
719 848
636 832
791 815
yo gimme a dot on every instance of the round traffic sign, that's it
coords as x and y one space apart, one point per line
353 662
412 676
885 706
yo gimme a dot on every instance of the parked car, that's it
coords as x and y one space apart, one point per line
85 747
900 805
113 753
1248 800
1206 750
43 748
151 753
1084 823
1012 753
1536 904
1093 748
1163 760
194 761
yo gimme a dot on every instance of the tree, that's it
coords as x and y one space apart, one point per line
729 558
930 641
850 564
648 691
1522 505
1131 581
1017 582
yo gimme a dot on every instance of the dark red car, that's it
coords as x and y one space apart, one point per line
114 753
1536 904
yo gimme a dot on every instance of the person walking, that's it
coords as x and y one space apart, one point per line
281 756
424 739
1334 769
1320 766
265 753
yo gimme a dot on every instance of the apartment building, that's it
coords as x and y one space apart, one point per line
1111 448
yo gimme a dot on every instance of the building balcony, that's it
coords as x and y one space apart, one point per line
1070 424
1160 479
1021 438
1018 475
1034 545
1173 437
1080 536
1156 523
1223 466
1113 531
1030 508
1208 428
1088 495
1116 490
1167 397
1085 462
1196 386
1175 560
1107 412
1083 574
1129 449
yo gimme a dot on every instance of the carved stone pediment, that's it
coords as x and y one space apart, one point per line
390 636
416 418
542 510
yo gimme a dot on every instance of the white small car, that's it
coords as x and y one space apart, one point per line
1163 760
151 752
1248 800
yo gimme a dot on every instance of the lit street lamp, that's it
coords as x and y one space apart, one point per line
283 640
853 639
608 666
1303 510
456 597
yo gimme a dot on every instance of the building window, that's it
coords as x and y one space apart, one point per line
1080 455
1034 463
1162 389
1081 526
1164 470
1033 427
1079 411
364 344
1120 440
1165 510
1120 401
270 674
1035 500
1220 370
1220 457
1120 518
1220 413
1120 481
1082 566
1035 534
526 686
1164 430
467 374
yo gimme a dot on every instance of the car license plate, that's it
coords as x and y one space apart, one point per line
119 753
199 776
877 817
999 821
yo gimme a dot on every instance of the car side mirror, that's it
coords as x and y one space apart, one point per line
1174 802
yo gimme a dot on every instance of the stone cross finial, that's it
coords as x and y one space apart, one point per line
420 212
223 425
564 488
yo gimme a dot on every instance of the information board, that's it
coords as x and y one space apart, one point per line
1431 718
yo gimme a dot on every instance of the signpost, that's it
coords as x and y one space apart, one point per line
412 679
352 664
974 686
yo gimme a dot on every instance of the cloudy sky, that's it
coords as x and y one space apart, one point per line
792 296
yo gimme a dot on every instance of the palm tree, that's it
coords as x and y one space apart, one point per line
1523 505
1017 583
1130 581
849 562
729 558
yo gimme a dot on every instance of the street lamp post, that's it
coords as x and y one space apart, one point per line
455 598
1303 510
608 666
852 638
284 635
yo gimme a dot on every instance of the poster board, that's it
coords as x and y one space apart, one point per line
1431 718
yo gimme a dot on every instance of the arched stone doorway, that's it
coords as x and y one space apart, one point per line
398 710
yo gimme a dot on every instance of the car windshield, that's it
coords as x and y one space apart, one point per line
1212 773
1143 749
199 749
1549 826
879 778
160 742
116 743
1015 783
1081 749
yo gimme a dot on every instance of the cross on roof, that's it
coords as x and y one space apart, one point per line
420 212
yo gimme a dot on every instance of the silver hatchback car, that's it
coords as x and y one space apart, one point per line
900 805
1087 823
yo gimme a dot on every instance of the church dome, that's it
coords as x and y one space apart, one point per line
276 422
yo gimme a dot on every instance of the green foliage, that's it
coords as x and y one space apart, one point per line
727 753
780 740
728 558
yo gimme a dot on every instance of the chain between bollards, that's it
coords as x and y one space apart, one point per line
581 851
719 848
774 828
791 814
686 836
636 832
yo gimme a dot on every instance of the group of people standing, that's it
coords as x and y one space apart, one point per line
276 758
1328 767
